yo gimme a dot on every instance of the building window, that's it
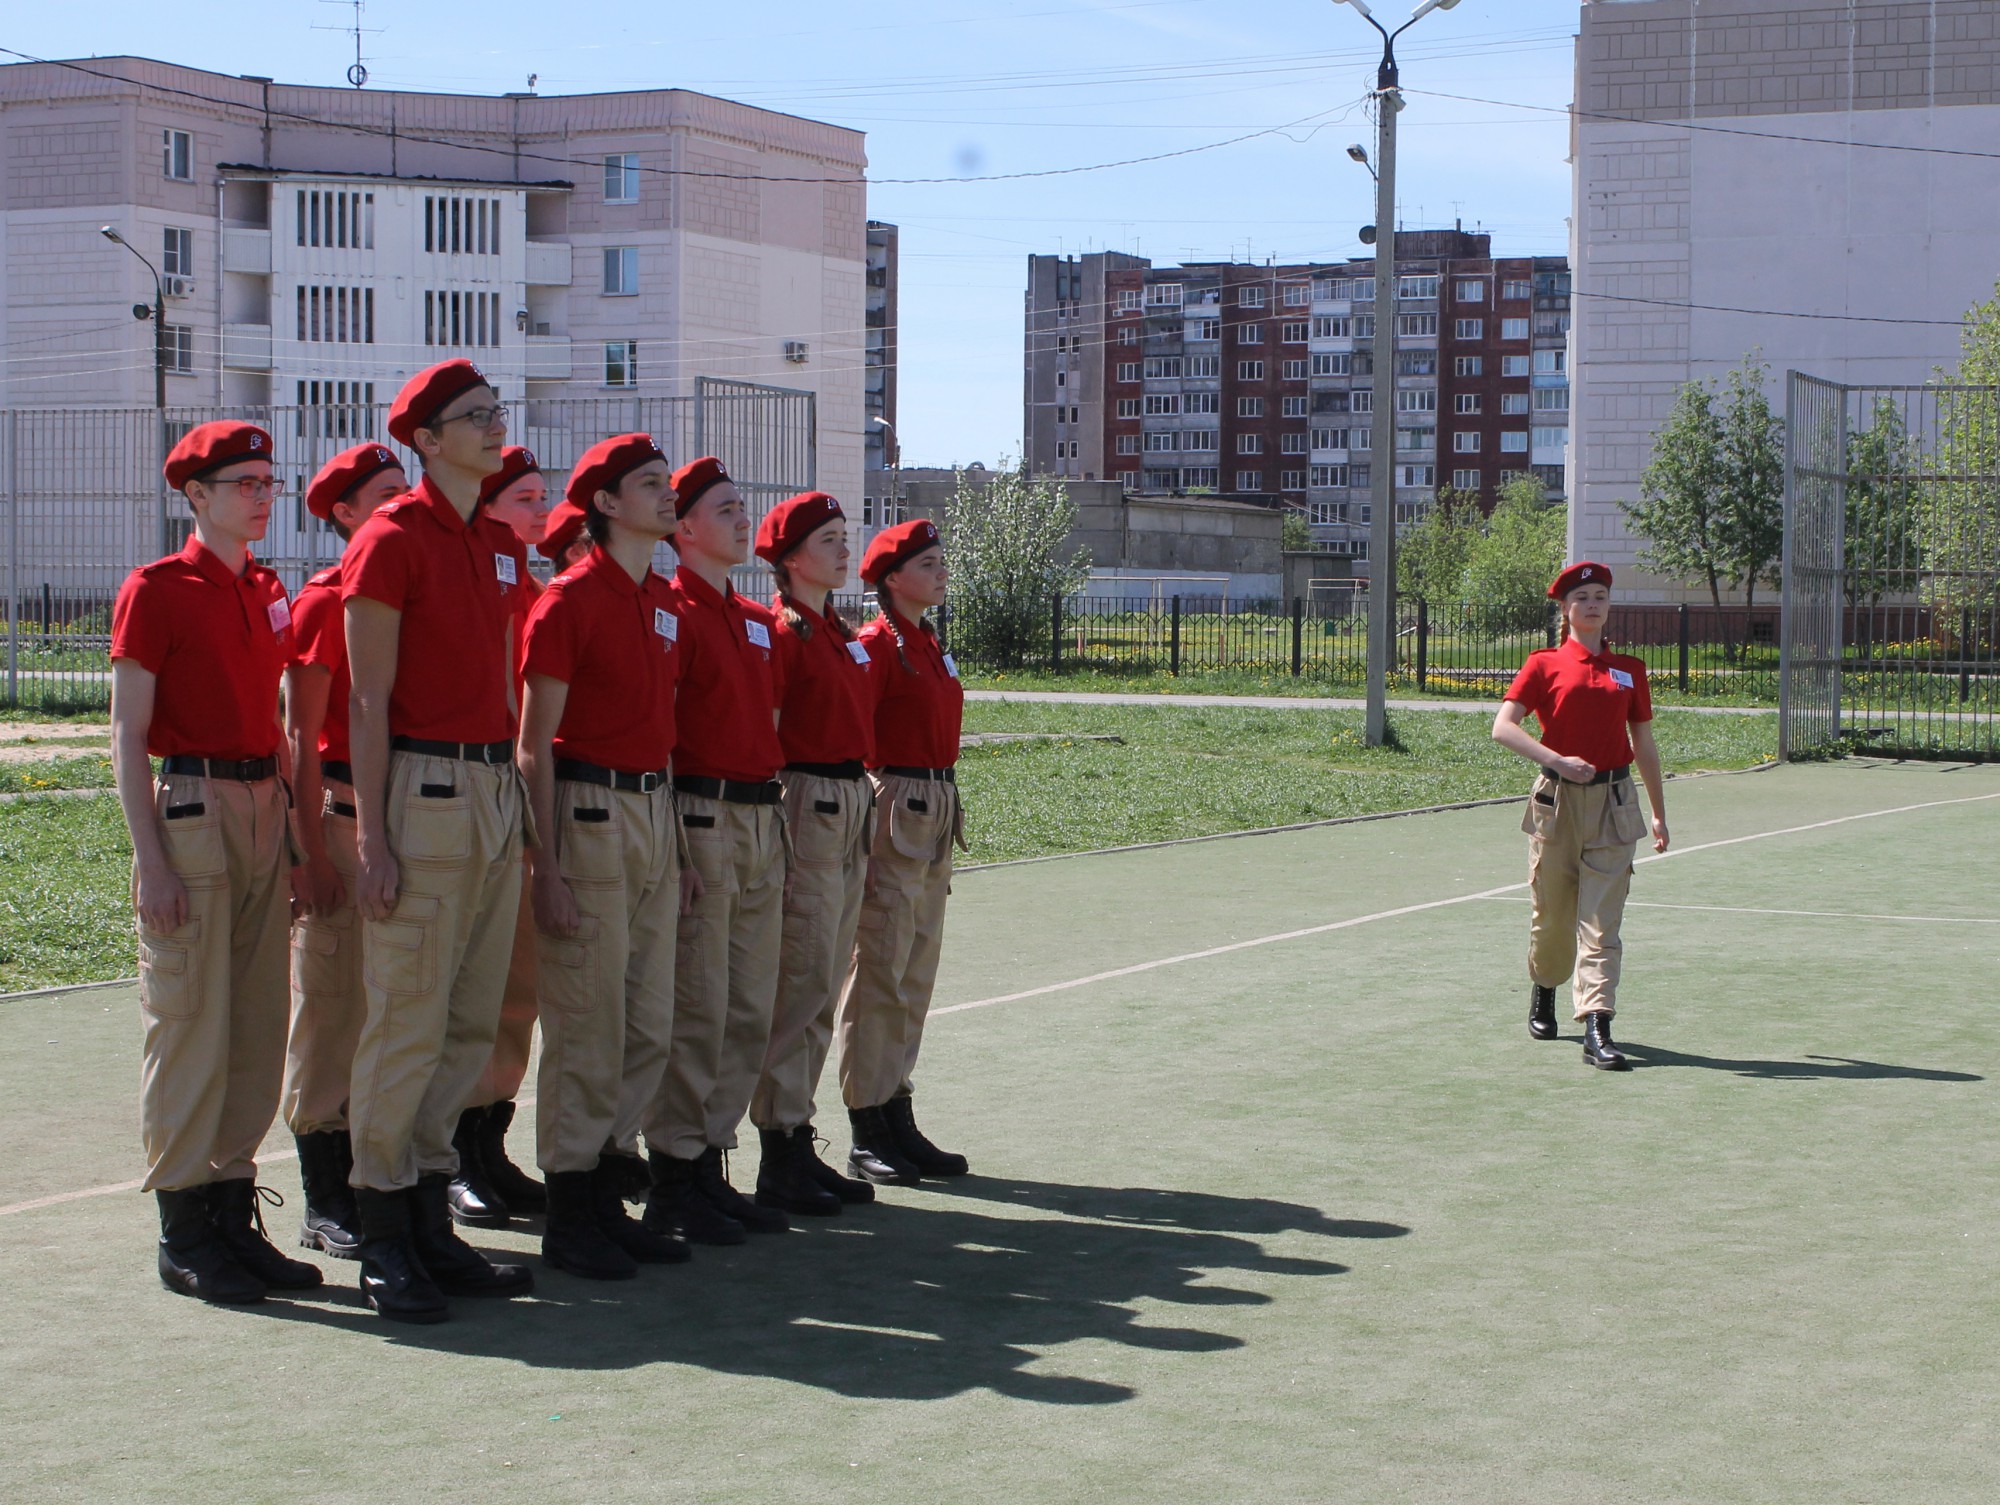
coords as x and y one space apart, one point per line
1128 334
1417 326
458 226
1199 475
1517 287
1328 289
1472 292
1468 480
1249 407
1417 475
1198 439
621 178
1416 402
1514 442
621 271
1130 299
1513 329
621 363
1329 438
1550 443
1295 371
1201 402
1249 480
1293 331
177 253
1204 329
1294 407
1292 444
1163 404
1416 439
1249 334
1249 444
1468 329
1128 407
338 219
1204 365
343 315
1291 480
1331 326
1128 444
1163 441
1468 402
1163 368
179 345
1062 378
1416 287
459 319
1465 442
1128 370
177 155
1249 370
1163 294
1332 363
1551 399
1250 297
1551 362
1129 479
1329 475
1468 365
1297 294
1513 403
1513 365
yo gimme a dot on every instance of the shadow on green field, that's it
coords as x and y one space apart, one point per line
894 1300
1811 1069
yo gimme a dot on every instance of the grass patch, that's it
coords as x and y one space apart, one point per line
82 771
65 893
1749 691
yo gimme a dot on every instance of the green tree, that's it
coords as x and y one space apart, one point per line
1295 534
1431 557
1959 519
1752 458
1883 552
1516 555
1007 538
1679 511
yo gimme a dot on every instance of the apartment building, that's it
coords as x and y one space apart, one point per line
318 245
1257 381
879 438
1809 180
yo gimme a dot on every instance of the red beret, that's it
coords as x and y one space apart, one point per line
345 471
793 521
1583 572
606 463
210 446
564 524
895 547
425 395
515 461
693 478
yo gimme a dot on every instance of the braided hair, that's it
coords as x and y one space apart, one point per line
799 621
886 599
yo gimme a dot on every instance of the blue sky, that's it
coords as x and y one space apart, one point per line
978 89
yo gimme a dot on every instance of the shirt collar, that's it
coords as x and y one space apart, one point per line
1575 649
703 593
206 564
601 566
439 506
909 629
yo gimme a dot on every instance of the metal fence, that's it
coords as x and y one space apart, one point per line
1891 570
82 502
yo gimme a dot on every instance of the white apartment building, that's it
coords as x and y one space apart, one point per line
319 245
1812 180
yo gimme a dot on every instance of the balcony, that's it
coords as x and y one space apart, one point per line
548 357
246 251
548 264
246 347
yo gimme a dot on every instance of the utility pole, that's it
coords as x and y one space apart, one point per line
159 373
1388 98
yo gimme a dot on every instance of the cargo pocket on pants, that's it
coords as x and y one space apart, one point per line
435 829
1628 821
568 979
169 986
1539 819
913 824
400 953
320 958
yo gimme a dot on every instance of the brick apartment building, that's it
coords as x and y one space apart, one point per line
1256 381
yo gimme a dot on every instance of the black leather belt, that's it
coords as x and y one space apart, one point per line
729 790
935 775
333 768
469 752
848 770
610 778
1611 775
243 770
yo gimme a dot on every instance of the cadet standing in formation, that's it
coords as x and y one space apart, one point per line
1583 818
328 1004
826 725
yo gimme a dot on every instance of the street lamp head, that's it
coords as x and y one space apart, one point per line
1430 5
1366 14
1359 153
111 235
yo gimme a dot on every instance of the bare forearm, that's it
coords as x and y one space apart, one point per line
1516 738
368 750
132 771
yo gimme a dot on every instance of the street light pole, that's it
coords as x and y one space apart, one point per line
159 374
1382 457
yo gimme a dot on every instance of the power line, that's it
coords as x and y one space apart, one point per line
1769 313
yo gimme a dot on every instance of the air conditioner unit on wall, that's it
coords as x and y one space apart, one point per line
177 287
796 351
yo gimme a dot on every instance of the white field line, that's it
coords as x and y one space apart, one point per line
1801 914
1212 951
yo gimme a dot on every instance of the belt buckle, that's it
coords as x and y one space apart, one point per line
648 782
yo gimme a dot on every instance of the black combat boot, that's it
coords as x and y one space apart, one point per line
193 1259
457 1267
572 1240
521 1192
711 1179
901 1113
471 1197
239 1223
1597 1047
1541 1012
876 1156
393 1280
607 1201
844 1187
674 1206
635 1182
784 1180
331 1223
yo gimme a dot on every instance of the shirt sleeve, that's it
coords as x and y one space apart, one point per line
141 627
318 630
1529 687
378 565
553 647
1642 693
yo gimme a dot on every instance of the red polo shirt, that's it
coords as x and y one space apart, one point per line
728 684
319 640
917 716
829 693
458 586
615 642
216 642
1584 701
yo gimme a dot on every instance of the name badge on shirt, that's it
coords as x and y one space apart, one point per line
666 624
758 633
280 613
1620 678
503 567
950 666
858 653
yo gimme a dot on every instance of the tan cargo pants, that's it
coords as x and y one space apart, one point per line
212 993
514 1037
899 938
1579 872
829 821
433 970
725 975
328 1004
607 992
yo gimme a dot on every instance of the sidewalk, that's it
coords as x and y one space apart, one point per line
1302 702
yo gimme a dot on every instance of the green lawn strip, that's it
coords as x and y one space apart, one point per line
65 892
90 770
1754 690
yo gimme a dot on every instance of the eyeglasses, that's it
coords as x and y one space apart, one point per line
481 418
249 488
